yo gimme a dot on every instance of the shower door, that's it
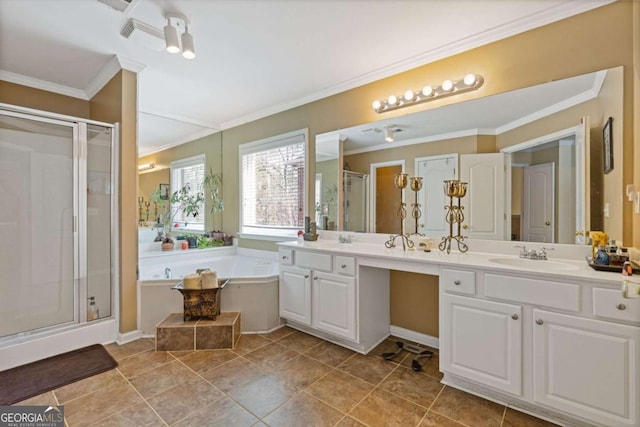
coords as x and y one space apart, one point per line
355 190
37 216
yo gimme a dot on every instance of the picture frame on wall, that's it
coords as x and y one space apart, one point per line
165 191
607 145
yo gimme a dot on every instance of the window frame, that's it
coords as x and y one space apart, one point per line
270 233
200 159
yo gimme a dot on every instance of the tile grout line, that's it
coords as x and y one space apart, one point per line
504 415
143 399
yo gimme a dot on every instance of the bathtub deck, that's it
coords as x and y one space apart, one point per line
174 334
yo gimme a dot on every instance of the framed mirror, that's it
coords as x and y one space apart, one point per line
557 123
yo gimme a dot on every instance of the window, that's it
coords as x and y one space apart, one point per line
188 173
272 185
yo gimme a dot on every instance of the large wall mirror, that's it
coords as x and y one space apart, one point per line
532 157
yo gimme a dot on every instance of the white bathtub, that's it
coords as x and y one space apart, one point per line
252 288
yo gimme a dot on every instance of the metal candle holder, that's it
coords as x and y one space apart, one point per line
415 184
454 189
401 180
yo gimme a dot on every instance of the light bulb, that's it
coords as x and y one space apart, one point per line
171 38
392 100
447 85
427 91
376 104
408 95
469 79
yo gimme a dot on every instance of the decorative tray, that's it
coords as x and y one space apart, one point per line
611 268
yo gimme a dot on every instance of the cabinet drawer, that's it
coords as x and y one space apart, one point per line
285 256
610 304
345 265
565 296
460 281
313 260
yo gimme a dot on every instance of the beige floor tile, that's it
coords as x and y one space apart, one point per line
205 360
279 333
162 378
340 390
42 399
304 409
467 408
301 371
419 389
89 385
434 419
299 341
369 368
184 399
349 422
329 353
223 412
142 362
233 375
100 404
134 416
249 342
262 395
271 356
514 418
120 352
384 409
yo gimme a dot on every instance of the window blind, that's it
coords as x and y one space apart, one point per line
190 173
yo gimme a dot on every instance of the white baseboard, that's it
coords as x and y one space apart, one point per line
414 336
128 336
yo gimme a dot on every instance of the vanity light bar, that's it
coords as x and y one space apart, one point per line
428 93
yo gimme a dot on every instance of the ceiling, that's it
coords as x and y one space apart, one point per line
253 58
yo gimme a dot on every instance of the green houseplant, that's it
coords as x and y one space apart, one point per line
212 188
182 200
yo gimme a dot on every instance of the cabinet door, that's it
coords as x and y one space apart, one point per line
481 341
587 367
334 304
295 294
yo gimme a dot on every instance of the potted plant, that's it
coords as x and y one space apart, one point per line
212 188
183 201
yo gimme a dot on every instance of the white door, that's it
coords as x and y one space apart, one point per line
587 367
583 187
334 304
482 341
295 294
538 197
431 198
484 204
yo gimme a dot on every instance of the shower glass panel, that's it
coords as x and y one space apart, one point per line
99 220
37 204
355 189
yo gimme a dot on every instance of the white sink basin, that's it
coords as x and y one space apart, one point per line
541 265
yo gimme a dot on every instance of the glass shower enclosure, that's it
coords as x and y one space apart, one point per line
355 188
56 221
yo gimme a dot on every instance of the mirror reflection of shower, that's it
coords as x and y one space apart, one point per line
355 187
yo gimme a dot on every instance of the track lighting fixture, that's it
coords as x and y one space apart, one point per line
428 93
388 133
178 22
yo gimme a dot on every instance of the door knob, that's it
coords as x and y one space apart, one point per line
465 226
547 223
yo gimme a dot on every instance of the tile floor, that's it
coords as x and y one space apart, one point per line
285 378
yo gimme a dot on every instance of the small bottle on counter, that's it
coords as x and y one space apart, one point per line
627 269
92 313
601 257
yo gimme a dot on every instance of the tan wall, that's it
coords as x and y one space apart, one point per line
414 302
148 183
11 93
211 147
116 102
329 171
636 111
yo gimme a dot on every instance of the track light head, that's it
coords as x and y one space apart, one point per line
188 49
171 38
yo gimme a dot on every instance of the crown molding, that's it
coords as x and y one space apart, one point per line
110 69
192 137
184 119
539 19
42 85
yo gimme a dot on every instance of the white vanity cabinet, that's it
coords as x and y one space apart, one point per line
321 294
542 344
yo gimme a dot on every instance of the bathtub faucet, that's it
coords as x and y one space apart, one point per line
167 273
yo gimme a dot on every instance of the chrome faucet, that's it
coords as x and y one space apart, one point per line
344 239
167 273
540 254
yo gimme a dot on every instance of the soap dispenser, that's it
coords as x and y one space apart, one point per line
92 313
601 257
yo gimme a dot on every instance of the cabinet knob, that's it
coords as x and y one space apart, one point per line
284 257
306 276
343 266
539 321
465 226
457 282
315 278
515 316
547 223
621 306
